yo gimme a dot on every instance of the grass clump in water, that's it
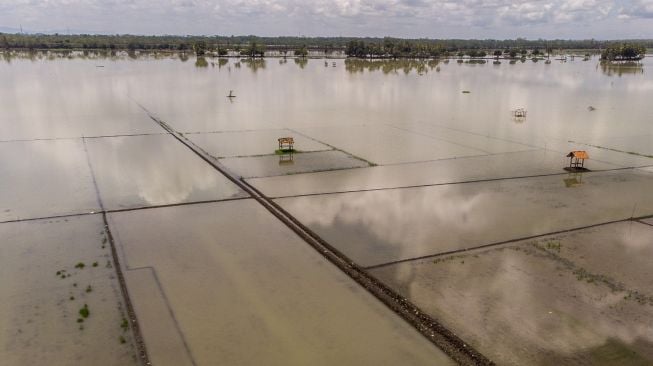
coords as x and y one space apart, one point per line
80 265
553 245
89 288
124 324
84 312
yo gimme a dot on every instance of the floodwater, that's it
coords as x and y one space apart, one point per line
394 163
584 298
44 287
252 296
25 167
285 164
382 226
488 167
137 171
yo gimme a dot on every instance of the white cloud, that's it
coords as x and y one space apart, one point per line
406 18
637 9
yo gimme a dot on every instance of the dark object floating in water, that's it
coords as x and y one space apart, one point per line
590 108
466 92
231 94
99 65
519 113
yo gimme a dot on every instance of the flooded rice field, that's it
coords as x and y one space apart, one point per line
52 271
582 298
255 295
381 226
146 217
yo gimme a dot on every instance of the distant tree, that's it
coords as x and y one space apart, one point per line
222 51
513 53
200 48
475 53
301 51
624 52
497 53
535 52
254 49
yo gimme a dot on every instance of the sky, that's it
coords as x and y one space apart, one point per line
479 19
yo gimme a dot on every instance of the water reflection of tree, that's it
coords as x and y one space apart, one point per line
7 56
620 68
113 55
391 66
254 64
301 62
201 62
222 62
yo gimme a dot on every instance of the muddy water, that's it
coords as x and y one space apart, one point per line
409 118
285 164
274 95
44 287
137 171
26 166
256 295
556 96
528 163
251 143
388 225
580 299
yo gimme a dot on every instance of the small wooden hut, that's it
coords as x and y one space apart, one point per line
286 143
577 159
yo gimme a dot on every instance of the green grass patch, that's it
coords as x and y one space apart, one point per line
84 312
285 151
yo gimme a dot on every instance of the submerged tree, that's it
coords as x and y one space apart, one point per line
254 49
199 48
301 51
624 52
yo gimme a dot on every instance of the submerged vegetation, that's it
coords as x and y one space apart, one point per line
253 46
624 52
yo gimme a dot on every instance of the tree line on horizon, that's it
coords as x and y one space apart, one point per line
254 46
